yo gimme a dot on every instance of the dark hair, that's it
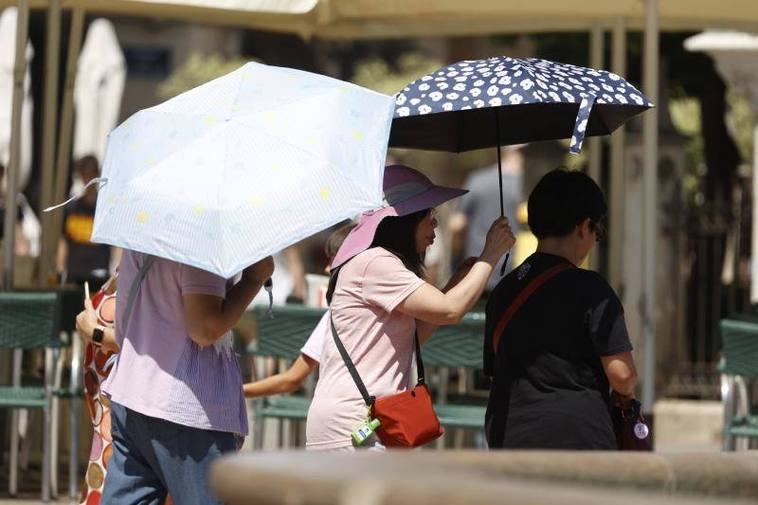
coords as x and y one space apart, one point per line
561 200
398 236
87 163
334 241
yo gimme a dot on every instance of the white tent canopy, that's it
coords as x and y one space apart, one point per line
7 57
100 79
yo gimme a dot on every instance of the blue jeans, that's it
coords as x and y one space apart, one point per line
153 457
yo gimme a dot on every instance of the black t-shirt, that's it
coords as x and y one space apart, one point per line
549 390
85 259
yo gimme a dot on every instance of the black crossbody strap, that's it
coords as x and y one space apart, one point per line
349 364
367 398
419 361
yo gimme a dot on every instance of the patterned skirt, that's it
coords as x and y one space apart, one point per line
97 365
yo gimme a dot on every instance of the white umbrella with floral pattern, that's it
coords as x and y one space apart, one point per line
243 166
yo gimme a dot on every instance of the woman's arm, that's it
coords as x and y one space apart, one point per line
431 305
209 317
86 322
621 372
285 382
426 330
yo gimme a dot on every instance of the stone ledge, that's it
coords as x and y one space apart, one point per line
717 474
536 478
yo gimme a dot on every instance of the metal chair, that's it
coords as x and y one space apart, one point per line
739 364
71 303
281 338
29 321
458 347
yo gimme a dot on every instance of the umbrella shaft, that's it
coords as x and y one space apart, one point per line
499 162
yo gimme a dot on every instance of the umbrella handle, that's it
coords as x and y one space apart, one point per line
269 287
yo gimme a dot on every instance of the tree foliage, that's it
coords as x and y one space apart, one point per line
377 74
198 69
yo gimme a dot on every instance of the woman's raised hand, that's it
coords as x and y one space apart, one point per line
500 239
86 321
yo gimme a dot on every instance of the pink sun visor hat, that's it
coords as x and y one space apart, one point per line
406 191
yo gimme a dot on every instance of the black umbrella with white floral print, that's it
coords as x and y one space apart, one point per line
461 107
499 101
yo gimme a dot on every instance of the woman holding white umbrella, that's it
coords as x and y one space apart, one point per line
176 401
194 190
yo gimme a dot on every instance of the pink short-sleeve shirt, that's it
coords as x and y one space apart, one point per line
160 371
378 338
315 343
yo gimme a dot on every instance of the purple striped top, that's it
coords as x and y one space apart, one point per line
161 372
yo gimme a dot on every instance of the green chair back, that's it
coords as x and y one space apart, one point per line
739 347
284 335
29 320
458 345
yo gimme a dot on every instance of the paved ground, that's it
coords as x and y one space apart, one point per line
29 486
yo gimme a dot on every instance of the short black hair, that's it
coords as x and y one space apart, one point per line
561 200
87 163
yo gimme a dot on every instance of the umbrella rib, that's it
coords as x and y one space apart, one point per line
257 111
290 102
180 147
300 148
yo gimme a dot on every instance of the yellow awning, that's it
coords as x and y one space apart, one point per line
348 19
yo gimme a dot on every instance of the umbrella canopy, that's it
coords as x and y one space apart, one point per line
7 57
501 101
243 166
100 78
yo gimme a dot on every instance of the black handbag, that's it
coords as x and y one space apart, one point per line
629 425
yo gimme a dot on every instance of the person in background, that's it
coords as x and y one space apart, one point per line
78 259
555 337
468 225
293 378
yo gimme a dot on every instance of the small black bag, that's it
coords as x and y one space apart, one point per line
631 430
